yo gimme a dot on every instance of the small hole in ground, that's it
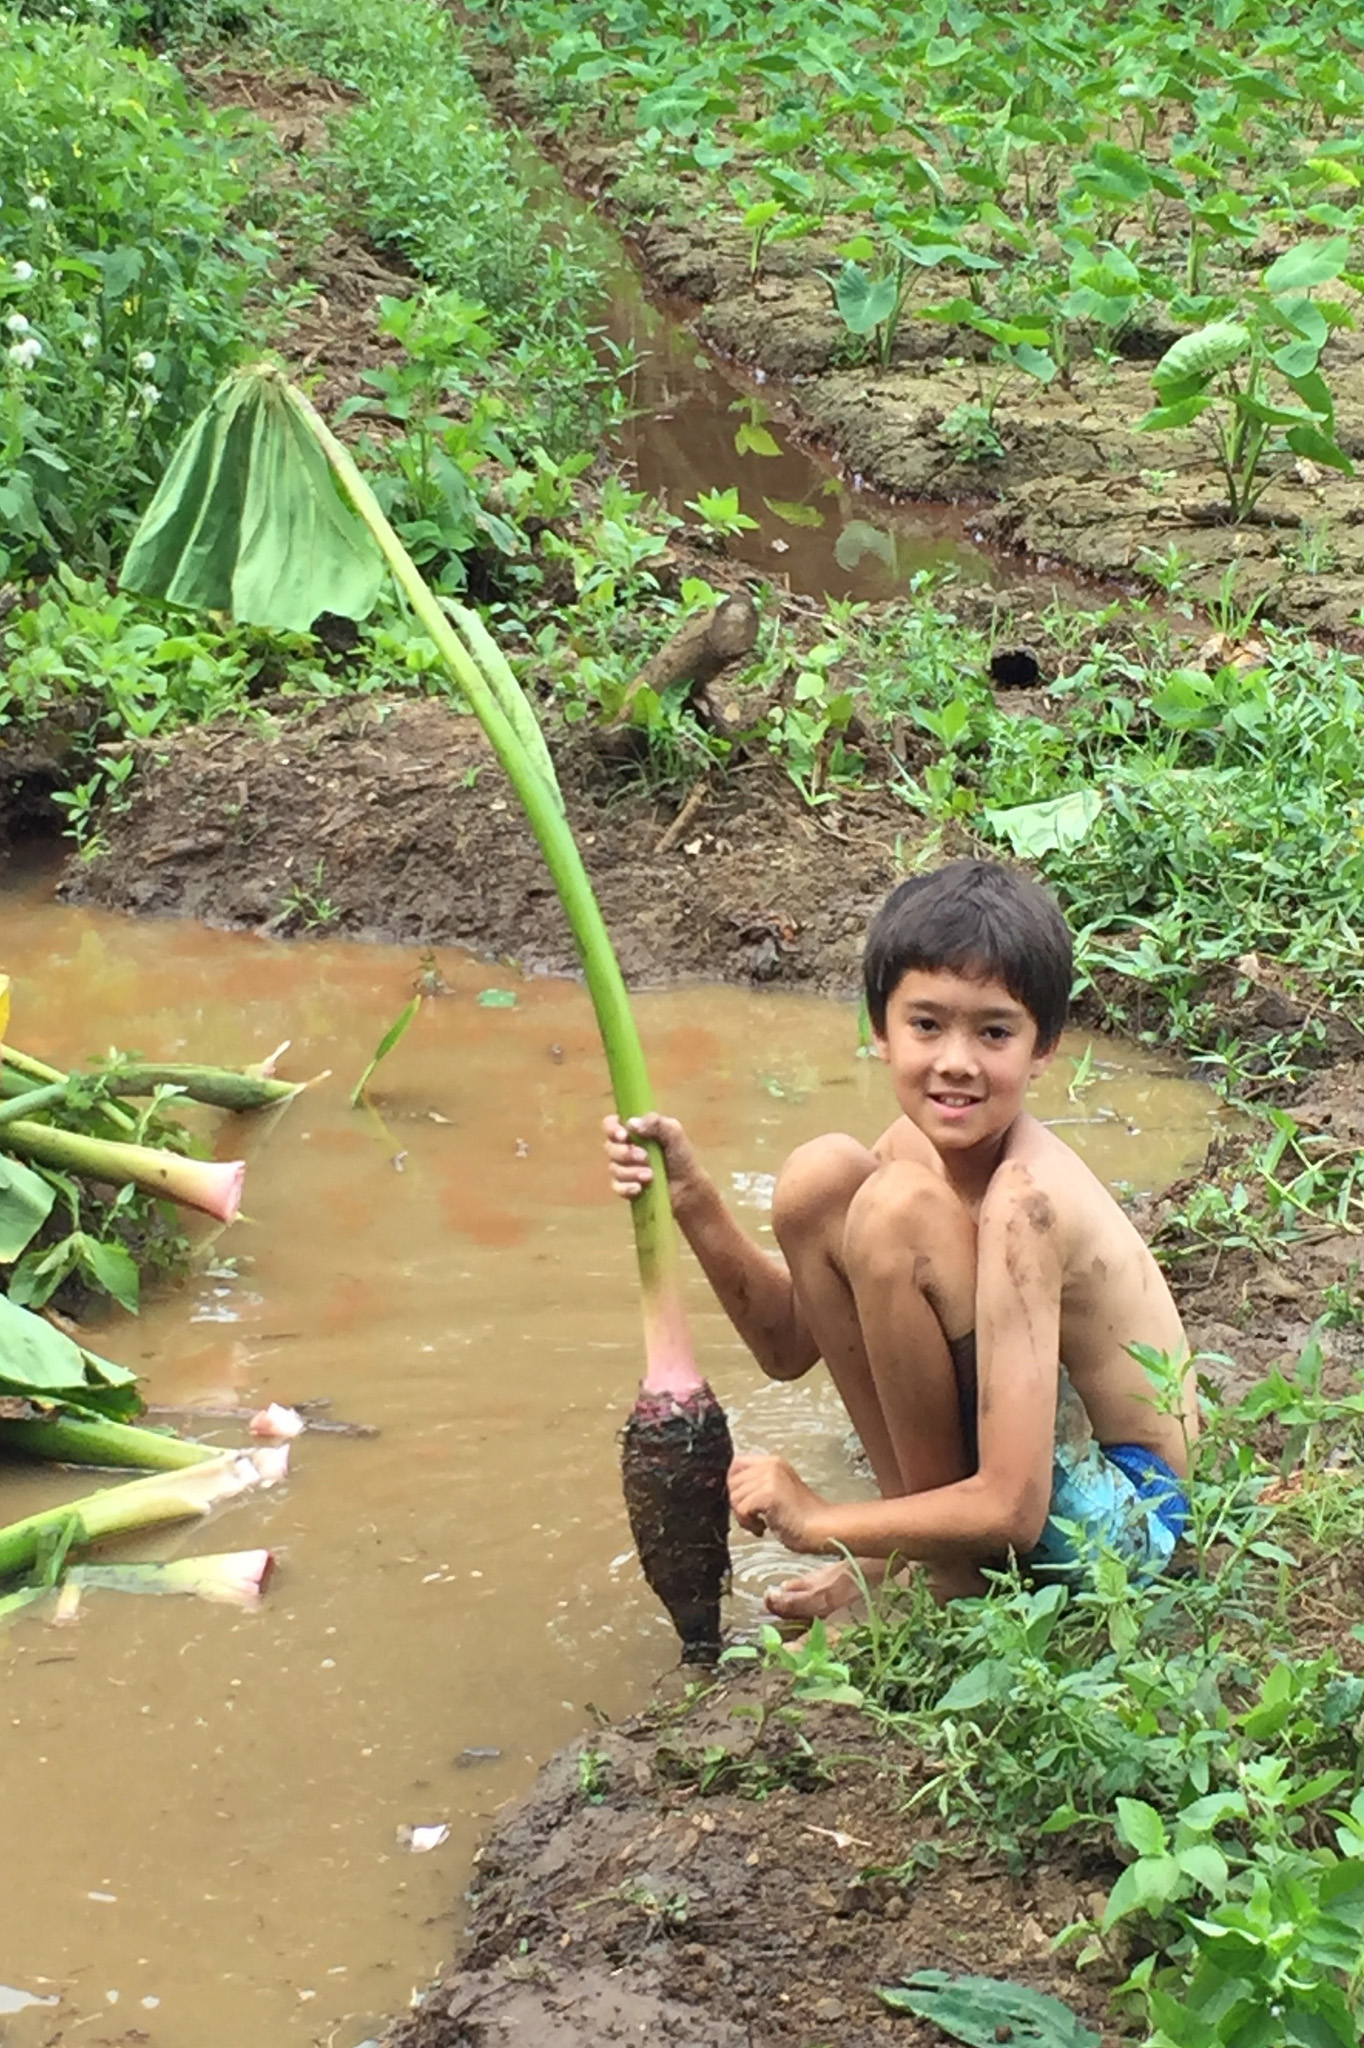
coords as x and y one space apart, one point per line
1015 669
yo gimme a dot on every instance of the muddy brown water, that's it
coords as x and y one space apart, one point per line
201 1809
816 530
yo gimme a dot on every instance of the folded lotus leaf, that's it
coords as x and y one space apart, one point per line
249 521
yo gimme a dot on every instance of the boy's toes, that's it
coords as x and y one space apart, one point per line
815 1596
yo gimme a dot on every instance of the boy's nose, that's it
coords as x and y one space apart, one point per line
956 1055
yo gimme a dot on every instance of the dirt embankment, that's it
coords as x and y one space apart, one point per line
1071 483
741 1877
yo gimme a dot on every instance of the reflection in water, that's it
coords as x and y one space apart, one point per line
208 1806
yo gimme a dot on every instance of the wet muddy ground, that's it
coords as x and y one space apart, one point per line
208 1805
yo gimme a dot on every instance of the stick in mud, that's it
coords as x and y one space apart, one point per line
675 1460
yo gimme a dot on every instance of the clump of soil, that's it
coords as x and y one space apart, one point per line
389 819
741 1876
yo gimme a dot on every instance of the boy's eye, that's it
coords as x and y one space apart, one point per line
998 1032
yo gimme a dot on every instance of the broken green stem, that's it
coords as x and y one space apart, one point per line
210 1185
71 1440
163 1497
40 1075
669 1361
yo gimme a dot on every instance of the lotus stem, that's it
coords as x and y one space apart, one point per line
215 1186
114 1510
669 1358
31 1069
31 1101
71 1440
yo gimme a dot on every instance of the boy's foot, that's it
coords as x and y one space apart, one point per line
816 1595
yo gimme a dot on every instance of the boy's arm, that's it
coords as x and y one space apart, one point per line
753 1288
1004 1504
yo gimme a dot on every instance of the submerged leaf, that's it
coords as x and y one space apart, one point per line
248 519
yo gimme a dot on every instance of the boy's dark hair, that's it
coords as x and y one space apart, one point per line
976 918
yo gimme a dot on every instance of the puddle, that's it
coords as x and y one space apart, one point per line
209 1807
816 531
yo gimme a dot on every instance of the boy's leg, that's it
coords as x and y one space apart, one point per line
909 1252
883 1261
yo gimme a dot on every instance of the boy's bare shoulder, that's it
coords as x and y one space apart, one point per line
1057 1191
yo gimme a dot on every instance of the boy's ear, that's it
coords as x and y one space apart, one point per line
1042 1060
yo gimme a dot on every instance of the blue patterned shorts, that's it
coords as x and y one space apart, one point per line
1116 1497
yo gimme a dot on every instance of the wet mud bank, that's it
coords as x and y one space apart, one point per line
739 1874
387 819
1071 485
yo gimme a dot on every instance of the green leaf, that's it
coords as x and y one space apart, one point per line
991 1679
114 1268
385 1046
863 302
496 999
1144 1887
1165 418
1205 1864
1057 825
1305 317
36 1358
755 440
1202 354
25 1203
1141 1827
1297 270
793 514
1318 447
1038 362
983 2010
248 519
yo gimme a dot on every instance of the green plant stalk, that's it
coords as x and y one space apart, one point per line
210 1185
163 1497
72 1441
220 1087
39 1074
32 1100
668 1353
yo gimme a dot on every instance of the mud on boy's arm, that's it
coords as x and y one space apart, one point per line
753 1288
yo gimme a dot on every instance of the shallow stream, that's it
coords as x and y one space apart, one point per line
201 1808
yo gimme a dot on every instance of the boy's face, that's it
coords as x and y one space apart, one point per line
961 1053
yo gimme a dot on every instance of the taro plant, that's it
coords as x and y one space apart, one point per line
871 300
251 519
1227 370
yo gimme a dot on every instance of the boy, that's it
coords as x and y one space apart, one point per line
946 1274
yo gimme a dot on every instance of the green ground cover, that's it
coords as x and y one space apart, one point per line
1052 184
1204 1729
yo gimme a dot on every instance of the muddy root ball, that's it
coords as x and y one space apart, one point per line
675 1459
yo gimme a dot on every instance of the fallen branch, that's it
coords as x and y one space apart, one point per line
703 646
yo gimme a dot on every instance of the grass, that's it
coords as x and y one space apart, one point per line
1196 1737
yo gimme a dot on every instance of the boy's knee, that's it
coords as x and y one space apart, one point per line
819 1179
903 1209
